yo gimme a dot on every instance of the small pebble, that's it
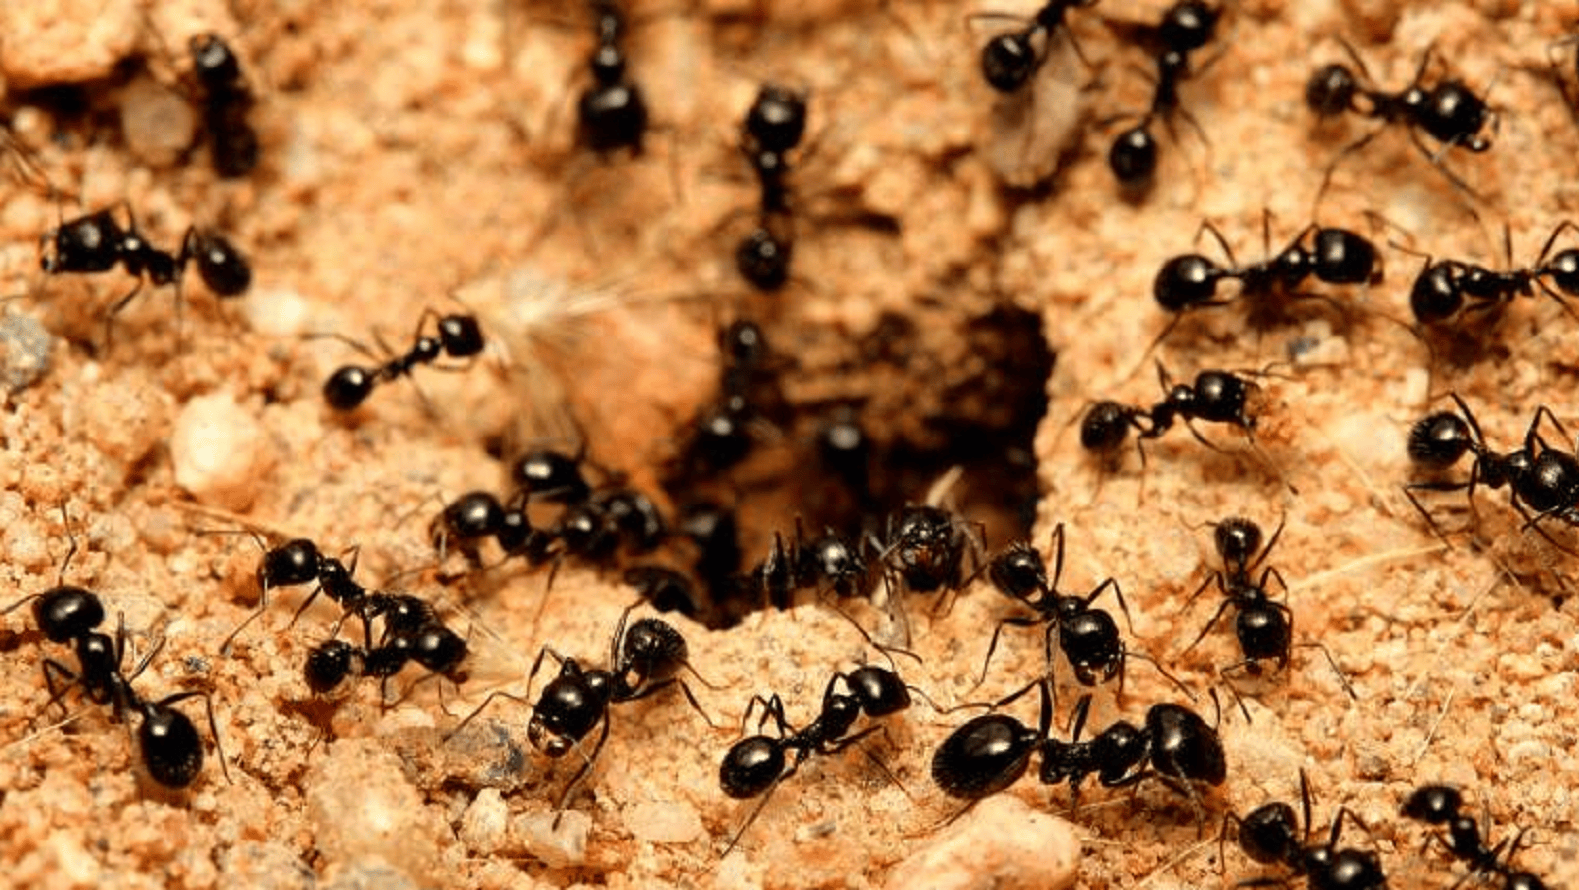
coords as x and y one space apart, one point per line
565 847
158 124
362 807
24 352
1001 843
220 452
485 823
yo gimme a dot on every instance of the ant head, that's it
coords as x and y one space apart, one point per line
327 666
1188 25
294 562
763 259
1439 440
1331 89
776 120
1018 572
612 116
1270 833
222 267
1133 158
1238 539
1008 61
653 649
1433 804
66 613
461 335
880 691
743 343
213 61
1106 426
1185 281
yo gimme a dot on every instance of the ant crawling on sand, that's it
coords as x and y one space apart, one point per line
1446 290
1440 805
1448 112
1186 26
1265 628
458 336
1541 479
226 102
1270 834
168 742
645 657
611 113
1088 637
774 125
1329 255
1010 59
757 764
991 752
1216 396
97 243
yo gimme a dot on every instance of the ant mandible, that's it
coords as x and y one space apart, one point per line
1449 112
1440 805
757 764
1270 834
1009 60
1265 628
459 336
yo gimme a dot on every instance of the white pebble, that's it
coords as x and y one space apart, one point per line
220 452
565 847
158 124
1001 843
484 825
362 808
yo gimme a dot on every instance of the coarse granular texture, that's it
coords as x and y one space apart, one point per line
415 153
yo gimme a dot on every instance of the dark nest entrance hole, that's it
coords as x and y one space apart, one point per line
838 434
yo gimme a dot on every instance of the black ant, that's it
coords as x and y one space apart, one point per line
1271 834
1448 112
97 243
1216 396
774 125
549 475
1334 256
226 102
1186 26
757 764
665 589
722 433
459 336
991 752
1540 478
611 112
168 742
1088 637
1265 628
296 562
644 659
441 651
1009 60
1443 287
1440 805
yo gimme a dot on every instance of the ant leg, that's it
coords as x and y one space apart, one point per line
1332 167
993 645
757 810
1207 226
1205 582
1343 679
1117 593
581 773
57 696
1412 487
213 726
479 709
1209 625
